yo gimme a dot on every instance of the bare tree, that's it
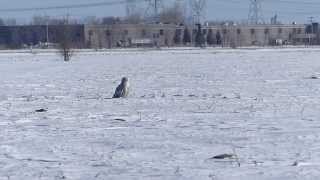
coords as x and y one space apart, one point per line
47 20
40 20
65 42
173 14
135 18
2 22
109 20
11 22
92 20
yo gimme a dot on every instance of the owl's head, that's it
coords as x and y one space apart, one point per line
124 80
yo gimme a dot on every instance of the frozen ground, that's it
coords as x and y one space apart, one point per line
184 108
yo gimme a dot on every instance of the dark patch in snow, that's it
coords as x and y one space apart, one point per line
295 163
178 95
118 119
224 156
41 110
313 77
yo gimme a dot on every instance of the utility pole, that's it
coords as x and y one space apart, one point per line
131 6
198 10
68 18
153 9
156 7
255 12
311 19
47 32
311 28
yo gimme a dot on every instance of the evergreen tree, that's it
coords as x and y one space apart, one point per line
200 39
210 38
186 36
177 36
219 38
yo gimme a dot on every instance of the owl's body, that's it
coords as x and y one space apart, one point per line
122 90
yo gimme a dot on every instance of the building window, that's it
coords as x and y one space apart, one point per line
238 31
161 32
178 31
294 30
224 31
210 30
144 33
299 31
108 33
252 31
90 33
125 32
279 30
204 31
266 31
194 31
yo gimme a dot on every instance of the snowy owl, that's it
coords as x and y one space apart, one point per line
123 89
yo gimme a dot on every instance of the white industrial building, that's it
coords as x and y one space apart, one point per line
135 35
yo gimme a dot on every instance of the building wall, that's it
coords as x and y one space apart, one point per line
31 35
5 35
259 35
74 32
128 35
124 35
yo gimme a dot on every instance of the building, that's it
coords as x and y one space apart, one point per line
259 35
135 35
129 35
159 35
14 37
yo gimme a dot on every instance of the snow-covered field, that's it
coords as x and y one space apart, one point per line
185 107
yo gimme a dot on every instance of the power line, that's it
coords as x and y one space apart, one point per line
275 1
255 12
307 8
73 6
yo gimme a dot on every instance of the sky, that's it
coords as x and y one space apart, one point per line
288 11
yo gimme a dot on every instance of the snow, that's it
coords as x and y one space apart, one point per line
185 107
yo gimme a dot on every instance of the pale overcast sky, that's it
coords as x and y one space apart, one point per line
287 10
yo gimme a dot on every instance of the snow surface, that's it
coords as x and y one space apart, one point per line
185 107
